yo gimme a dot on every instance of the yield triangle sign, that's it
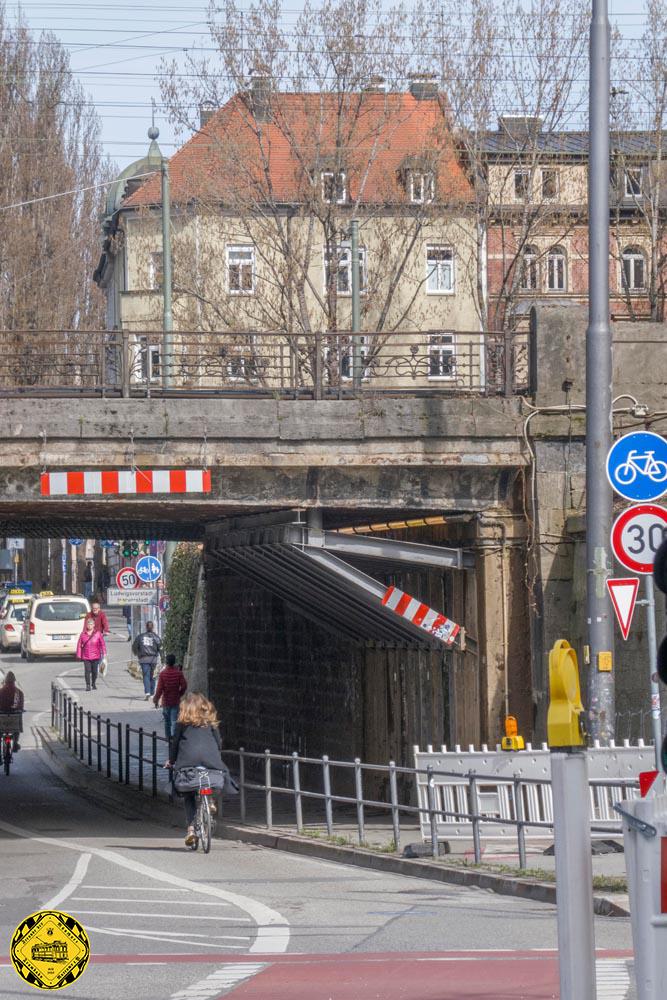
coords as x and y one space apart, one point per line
623 593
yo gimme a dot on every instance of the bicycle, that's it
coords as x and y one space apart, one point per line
644 464
203 821
10 725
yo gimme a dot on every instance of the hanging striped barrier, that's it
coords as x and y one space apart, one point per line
421 615
125 481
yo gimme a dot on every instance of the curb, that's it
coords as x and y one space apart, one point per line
132 802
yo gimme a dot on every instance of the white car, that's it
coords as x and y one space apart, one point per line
53 625
11 624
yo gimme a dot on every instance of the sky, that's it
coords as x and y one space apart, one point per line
116 48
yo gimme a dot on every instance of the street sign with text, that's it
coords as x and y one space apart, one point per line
637 535
117 598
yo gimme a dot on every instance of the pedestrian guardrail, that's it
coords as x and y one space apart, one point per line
306 782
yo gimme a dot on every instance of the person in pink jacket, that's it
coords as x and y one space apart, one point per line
91 648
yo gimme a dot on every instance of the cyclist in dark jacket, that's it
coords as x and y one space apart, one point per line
196 743
11 702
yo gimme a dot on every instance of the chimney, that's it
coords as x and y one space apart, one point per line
424 86
260 95
376 85
206 111
520 127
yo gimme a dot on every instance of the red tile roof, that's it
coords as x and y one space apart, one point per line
234 158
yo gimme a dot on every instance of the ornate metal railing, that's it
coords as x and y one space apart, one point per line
269 364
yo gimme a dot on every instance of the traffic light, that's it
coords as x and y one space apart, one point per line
660 580
135 549
565 718
126 548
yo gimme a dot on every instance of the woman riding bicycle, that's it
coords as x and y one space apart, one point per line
196 743
11 700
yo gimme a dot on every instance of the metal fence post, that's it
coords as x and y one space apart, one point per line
326 781
317 366
140 754
53 707
474 816
119 733
68 720
395 813
154 764
296 782
242 784
99 742
267 789
81 732
108 734
359 793
125 363
90 746
127 753
430 799
520 828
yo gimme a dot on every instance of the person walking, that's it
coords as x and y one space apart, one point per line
147 647
91 648
88 580
127 615
171 686
12 702
98 617
196 743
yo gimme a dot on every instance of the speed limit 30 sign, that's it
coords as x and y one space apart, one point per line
637 534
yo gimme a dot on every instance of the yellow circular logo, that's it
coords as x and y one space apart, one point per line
50 949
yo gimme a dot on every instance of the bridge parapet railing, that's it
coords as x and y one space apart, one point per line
469 796
267 363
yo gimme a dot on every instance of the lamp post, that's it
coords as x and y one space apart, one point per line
599 434
157 159
356 305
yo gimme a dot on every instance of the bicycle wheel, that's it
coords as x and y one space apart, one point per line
6 758
658 472
626 474
205 824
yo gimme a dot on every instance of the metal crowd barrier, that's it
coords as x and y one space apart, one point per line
115 745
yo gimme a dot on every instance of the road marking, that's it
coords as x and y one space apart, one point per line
135 888
613 978
121 899
224 978
154 937
166 916
273 932
77 878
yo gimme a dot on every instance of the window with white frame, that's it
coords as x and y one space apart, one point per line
632 182
421 187
441 356
240 361
241 270
529 270
633 270
338 268
149 360
521 184
550 184
155 271
556 270
334 187
439 269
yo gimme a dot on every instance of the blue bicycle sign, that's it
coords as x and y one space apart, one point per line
148 569
637 466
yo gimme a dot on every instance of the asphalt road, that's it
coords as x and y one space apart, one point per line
169 924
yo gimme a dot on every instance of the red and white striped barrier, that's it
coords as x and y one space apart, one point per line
421 615
125 481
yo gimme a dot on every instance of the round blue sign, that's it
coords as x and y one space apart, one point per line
148 569
107 543
75 541
637 466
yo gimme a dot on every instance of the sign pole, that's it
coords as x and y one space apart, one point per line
652 666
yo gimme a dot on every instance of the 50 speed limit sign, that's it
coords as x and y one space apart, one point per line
637 535
126 579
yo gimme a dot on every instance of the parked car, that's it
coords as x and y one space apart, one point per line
11 625
53 625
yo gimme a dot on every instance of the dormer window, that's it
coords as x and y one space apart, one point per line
420 187
334 187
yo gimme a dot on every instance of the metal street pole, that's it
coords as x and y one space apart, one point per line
356 312
656 723
167 318
599 391
574 876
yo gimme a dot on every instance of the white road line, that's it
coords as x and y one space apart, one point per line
167 940
224 978
77 878
166 916
121 899
612 978
273 931
135 888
